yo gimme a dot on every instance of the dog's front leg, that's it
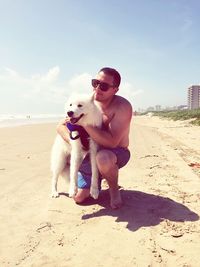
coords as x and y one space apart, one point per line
54 192
94 190
58 163
75 162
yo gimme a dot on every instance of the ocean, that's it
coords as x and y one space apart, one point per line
10 120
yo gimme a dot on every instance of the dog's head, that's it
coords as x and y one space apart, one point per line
78 106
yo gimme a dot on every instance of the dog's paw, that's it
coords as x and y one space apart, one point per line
72 192
54 194
94 192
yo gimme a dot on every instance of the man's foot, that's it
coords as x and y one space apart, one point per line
115 198
81 196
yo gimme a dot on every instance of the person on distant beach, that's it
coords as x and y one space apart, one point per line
113 138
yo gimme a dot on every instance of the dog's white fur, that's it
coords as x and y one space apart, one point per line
61 150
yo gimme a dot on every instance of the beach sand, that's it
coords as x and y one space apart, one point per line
158 224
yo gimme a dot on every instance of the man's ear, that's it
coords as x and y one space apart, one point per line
92 97
116 89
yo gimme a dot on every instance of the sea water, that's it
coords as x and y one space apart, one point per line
12 120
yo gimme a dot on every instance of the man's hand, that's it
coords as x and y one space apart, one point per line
62 129
63 121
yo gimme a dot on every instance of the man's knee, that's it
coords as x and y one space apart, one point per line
105 160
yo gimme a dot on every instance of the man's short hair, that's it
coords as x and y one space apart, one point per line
114 73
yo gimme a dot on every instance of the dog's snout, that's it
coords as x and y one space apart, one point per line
70 113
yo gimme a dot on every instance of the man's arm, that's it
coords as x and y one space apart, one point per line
62 130
117 128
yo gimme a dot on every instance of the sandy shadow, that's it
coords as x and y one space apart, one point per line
142 209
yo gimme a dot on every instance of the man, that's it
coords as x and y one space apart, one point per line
113 138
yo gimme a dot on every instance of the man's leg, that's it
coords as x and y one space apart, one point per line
84 181
106 162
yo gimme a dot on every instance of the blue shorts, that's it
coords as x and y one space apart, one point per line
84 174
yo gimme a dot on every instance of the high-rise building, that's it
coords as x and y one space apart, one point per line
158 107
194 97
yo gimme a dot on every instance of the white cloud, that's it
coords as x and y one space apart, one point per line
80 83
46 90
37 93
19 92
50 77
129 91
11 73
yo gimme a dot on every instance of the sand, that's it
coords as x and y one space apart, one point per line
158 224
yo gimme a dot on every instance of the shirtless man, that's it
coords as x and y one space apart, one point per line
113 138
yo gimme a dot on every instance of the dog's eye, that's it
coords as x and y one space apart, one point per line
79 106
70 105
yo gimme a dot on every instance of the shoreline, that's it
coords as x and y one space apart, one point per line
51 120
14 124
18 120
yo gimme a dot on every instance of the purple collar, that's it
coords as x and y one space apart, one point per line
82 134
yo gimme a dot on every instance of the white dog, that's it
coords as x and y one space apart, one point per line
82 109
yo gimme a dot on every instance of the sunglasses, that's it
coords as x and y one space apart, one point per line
102 86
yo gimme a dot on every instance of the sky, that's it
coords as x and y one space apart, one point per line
51 48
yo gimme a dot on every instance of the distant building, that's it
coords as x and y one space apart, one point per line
194 97
150 109
158 107
182 107
171 108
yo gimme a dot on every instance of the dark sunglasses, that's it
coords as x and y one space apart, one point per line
102 86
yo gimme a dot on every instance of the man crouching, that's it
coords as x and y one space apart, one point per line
113 137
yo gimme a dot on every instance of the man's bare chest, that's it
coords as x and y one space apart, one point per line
107 118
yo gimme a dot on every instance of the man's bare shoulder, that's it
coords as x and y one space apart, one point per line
122 103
